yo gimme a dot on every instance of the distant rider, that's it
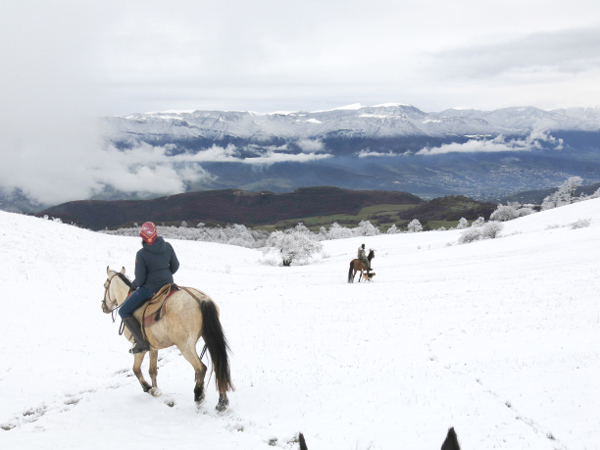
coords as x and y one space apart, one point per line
155 264
362 256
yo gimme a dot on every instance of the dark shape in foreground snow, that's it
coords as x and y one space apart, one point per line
450 443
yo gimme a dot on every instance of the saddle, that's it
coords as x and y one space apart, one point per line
155 308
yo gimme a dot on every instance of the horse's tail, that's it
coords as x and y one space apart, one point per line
350 277
215 340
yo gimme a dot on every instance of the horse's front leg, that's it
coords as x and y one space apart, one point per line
153 370
137 370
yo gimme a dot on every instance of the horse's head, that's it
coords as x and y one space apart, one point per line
112 290
371 254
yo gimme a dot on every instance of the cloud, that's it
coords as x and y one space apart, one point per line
311 145
366 153
498 144
542 54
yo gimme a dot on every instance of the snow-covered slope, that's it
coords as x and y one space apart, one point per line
497 338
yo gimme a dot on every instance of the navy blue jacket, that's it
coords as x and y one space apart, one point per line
155 265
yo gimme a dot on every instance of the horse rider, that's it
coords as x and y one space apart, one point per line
362 257
155 264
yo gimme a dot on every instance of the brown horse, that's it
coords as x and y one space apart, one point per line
357 265
190 314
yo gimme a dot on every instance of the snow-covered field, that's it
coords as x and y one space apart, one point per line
498 338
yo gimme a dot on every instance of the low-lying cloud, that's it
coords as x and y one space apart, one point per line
499 144
54 177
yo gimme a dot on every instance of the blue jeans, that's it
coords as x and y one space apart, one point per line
135 300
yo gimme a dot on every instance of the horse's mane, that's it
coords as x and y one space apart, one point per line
124 279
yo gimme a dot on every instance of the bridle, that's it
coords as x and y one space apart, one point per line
105 308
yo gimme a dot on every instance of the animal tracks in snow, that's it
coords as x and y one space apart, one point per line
31 415
457 370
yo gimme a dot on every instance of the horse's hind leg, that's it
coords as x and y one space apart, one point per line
137 370
189 353
223 401
153 370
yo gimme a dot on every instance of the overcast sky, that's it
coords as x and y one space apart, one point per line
65 62
267 56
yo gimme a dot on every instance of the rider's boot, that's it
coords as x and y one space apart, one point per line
141 345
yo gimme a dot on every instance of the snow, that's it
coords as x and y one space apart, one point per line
497 338
391 105
352 107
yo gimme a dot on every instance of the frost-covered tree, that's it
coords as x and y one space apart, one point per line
478 223
231 234
510 211
300 228
336 231
565 194
462 224
415 226
393 229
293 246
366 228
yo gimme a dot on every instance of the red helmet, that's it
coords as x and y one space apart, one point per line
149 233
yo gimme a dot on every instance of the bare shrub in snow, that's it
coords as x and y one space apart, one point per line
491 230
470 235
415 226
581 223
462 224
510 211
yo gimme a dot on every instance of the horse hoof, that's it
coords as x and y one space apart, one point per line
156 392
222 405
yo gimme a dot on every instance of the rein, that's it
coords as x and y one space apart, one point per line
113 312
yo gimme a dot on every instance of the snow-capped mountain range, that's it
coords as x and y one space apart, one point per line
385 120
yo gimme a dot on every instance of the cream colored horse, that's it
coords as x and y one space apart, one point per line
189 315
